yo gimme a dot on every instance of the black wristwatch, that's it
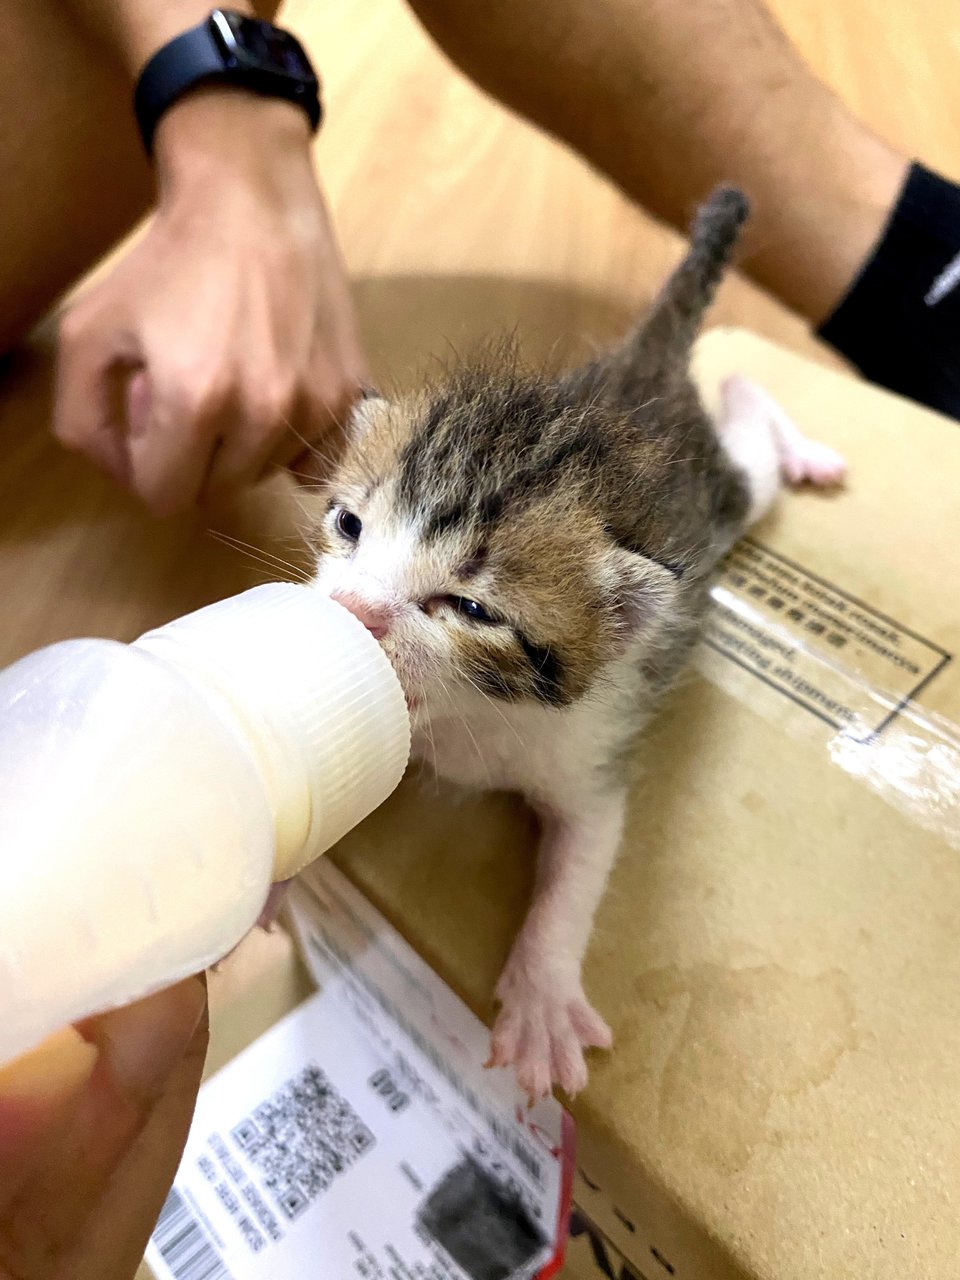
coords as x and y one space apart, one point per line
226 48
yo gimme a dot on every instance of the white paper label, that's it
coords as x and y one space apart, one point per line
361 1137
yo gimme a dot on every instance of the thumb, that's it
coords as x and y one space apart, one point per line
71 1115
36 1092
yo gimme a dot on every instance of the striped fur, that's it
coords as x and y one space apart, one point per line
535 553
583 512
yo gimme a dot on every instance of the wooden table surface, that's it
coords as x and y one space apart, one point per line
457 220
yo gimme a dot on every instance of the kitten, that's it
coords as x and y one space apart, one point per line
534 554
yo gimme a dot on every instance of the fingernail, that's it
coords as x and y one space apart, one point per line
143 1043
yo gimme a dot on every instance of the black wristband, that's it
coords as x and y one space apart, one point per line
899 322
231 49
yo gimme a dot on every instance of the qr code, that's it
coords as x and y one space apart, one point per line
301 1138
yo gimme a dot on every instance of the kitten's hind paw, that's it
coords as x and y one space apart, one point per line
804 461
800 460
543 1029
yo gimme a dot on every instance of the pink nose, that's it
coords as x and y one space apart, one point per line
375 617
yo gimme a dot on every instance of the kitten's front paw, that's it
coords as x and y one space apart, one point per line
542 1029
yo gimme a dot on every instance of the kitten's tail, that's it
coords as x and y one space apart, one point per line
673 321
657 352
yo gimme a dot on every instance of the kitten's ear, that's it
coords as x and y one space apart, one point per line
365 412
646 591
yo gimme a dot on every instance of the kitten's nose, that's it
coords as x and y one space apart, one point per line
375 617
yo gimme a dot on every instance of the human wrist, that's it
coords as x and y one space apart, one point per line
217 131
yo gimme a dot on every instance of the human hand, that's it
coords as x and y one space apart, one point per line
225 342
92 1128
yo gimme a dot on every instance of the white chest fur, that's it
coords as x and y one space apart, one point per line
550 755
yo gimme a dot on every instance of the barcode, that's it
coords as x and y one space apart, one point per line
301 1138
184 1245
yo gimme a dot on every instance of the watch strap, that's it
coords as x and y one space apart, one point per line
190 59
196 57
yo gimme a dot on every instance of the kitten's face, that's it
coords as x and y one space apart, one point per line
483 569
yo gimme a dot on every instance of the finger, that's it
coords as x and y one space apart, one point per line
85 417
277 434
307 468
138 1050
323 427
241 459
318 458
116 1234
310 462
297 442
35 1092
172 434
263 429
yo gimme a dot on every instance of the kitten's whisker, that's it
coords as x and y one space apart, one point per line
277 573
460 715
311 517
260 556
499 710
232 540
307 534
328 459
293 539
310 445
470 734
428 729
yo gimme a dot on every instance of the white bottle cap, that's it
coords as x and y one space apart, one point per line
316 697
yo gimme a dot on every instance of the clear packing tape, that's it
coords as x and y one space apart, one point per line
837 669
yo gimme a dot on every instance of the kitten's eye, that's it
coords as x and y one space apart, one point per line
471 609
349 525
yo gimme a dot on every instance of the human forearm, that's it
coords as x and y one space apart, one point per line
132 30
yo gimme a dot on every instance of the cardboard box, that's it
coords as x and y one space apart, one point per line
777 952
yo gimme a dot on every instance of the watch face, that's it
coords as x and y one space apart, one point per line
255 44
